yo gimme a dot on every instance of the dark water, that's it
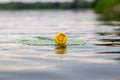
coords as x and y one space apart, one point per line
99 59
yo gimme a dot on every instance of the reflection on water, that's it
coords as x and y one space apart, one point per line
111 23
61 50
115 58
109 42
97 60
109 52
109 33
110 38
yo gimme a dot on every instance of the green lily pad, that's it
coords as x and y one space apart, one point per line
50 41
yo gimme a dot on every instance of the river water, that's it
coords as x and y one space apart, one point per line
99 59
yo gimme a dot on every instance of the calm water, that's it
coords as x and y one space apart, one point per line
99 59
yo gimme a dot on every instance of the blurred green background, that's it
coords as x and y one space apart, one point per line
110 10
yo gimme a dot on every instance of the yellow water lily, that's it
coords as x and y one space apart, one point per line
60 38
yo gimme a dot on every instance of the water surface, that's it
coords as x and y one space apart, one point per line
97 60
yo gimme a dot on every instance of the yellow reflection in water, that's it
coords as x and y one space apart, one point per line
60 49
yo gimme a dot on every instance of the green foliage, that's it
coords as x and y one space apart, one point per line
39 5
107 9
104 5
